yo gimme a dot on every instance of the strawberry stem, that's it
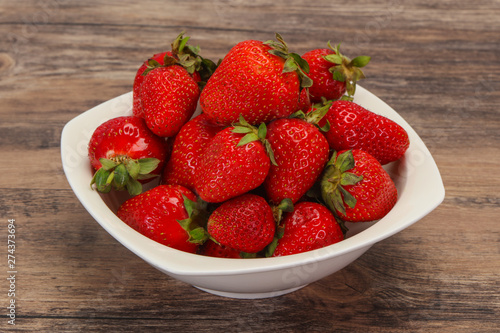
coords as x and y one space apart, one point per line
187 56
346 70
293 61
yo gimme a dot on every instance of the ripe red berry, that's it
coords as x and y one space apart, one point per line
259 80
354 127
357 188
245 223
169 97
125 153
162 215
188 147
301 151
139 79
333 74
309 227
228 169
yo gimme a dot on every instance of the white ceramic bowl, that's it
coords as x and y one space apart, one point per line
416 176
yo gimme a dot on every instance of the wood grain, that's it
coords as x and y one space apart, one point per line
436 63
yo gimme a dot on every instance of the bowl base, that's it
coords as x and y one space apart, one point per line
251 295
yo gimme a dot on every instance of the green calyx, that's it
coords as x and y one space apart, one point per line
293 61
197 218
253 133
286 205
187 56
314 117
190 58
123 173
346 70
334 178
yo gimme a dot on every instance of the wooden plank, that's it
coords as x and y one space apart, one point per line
436 63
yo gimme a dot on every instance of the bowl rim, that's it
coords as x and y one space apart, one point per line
76 134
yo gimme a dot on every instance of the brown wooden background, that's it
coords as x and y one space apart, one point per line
435 62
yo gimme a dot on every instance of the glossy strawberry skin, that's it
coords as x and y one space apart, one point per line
376 194
169 97
354 127
226 170
155 214
244 223
301 151
189 145
309 227
126 136
139 79
323 83
250 81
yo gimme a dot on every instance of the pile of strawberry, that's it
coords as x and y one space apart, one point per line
278 159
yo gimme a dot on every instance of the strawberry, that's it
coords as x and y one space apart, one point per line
212 249
188 146
155 60
259 80
333 74
165 214
301 151
170 88
234 162
356 187
354 127
124 152
309 227
244 223
169 98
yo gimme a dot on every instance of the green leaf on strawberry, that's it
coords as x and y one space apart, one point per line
335 177
122 173
121 177
147 165
102 180
134 168
285 206
133 186
346 70
253 134
197 234
367 190
293 61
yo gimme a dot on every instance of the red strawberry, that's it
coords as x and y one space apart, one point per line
188 147
309 227
301 151
125 152
259 80
233 163
169 97
165 215
169 91
333 73
356 187
212 249
156 60
244 223
354 127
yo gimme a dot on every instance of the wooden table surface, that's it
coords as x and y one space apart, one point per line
435 62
